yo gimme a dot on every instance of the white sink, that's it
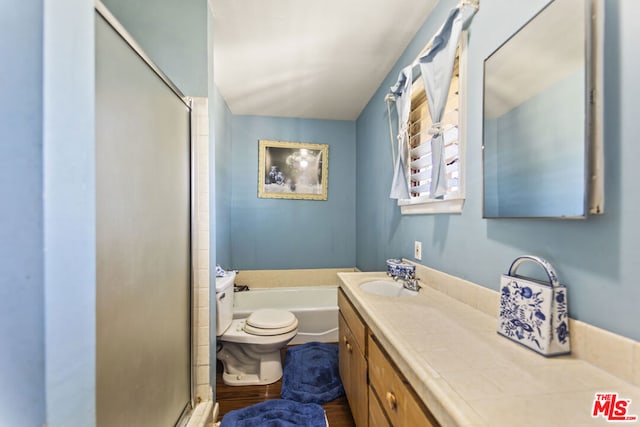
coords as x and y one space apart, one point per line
387 288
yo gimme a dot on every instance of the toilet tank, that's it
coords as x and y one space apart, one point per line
224 302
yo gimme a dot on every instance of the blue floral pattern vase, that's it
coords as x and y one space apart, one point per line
534 313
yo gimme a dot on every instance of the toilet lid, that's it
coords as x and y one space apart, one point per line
270 322
269 318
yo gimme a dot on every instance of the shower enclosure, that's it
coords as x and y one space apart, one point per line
143 204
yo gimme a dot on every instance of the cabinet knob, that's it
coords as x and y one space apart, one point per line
346 343
391 400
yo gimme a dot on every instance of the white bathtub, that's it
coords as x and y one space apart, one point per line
316 308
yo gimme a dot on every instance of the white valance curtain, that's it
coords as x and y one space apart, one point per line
436 68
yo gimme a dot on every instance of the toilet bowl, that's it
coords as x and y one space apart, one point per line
249 348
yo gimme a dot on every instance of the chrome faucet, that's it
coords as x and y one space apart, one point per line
409 281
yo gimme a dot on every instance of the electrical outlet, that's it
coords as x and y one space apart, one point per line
417 250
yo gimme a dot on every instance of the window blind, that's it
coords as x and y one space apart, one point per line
420 164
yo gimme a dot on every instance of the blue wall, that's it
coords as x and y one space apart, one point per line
47 224
22 396
47 228
173 34
540 158
223 176
596 258
69 225
291 234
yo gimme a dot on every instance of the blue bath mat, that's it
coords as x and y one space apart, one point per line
311 373
276 413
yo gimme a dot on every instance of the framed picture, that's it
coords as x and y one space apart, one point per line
293 170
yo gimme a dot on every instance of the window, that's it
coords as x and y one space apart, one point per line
419 172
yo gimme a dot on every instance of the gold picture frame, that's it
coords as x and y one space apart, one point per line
293 170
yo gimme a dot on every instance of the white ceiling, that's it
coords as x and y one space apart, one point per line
526 66
307 58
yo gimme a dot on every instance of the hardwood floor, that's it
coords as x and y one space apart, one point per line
230 398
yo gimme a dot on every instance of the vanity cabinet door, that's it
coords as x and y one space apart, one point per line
377 418
397 398
352 359
353 372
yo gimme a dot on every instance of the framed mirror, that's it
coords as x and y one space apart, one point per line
538 127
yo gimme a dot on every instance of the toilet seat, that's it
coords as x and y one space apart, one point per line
236 333
269 322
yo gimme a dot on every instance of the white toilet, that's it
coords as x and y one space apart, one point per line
250 348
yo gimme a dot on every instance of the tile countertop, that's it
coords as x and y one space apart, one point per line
468 375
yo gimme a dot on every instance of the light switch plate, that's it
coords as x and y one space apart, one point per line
417 250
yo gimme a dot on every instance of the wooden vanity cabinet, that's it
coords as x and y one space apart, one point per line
395 396
352 360
378 394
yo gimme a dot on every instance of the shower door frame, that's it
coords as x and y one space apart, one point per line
102 11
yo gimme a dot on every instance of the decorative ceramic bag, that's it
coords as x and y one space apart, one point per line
397 268
534 313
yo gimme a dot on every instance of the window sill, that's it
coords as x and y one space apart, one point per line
428 206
